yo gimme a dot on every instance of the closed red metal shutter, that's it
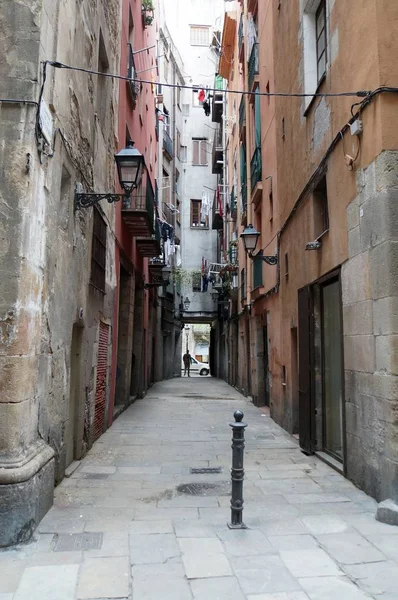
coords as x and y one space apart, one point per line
100 391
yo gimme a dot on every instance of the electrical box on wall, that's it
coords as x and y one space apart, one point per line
356 127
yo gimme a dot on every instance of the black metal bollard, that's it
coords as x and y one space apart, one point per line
237 472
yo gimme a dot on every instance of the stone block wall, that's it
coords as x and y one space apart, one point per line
370 320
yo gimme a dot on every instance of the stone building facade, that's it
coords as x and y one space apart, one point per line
61 290
318 177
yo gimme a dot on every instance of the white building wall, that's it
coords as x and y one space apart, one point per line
200 65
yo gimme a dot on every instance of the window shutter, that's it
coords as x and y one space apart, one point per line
195 151
203 152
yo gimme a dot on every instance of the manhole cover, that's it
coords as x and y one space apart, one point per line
78 541
204 470
223 488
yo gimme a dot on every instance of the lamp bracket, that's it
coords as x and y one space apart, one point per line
270 260
90 199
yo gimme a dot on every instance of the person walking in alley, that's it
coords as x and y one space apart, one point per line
187 362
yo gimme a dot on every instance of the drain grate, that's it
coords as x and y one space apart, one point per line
205 470
95 476
223 488
78 541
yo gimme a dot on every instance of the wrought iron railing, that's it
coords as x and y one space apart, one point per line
233 201
256 168
167 143
242 285
253 64
242 113
134 85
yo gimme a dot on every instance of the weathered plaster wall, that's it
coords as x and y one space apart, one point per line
46 246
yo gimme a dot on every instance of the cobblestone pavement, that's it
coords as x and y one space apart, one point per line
120 529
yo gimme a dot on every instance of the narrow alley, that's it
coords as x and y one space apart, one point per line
135 521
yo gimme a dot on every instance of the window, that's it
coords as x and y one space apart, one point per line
199 152
196 282
196 216
200 35
184 154
320 19
314 29
286 265
98 253
103 83
321 211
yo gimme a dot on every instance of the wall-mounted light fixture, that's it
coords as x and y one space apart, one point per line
186 303
250 238
163 280
129 163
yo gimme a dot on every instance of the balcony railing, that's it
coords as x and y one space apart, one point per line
233 202
132 74
258 270
240 33
253 64
218 151
243 191
256 168
138 211
218 99
167 143
242 113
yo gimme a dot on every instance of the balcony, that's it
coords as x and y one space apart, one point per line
256 176
155 269
241 39
133 86
242 119
138 212
217 220
150 246
253 66
233 203
167 144
218 99
218 153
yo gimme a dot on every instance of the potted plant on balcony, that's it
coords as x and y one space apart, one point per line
147 10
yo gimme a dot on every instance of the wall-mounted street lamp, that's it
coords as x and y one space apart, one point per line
163 280
186 304
250 238
129 163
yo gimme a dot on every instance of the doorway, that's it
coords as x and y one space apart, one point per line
320 361
74 394
266 366
332 371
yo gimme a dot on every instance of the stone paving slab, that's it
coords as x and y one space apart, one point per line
312 535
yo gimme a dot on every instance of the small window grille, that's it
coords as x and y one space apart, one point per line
200 35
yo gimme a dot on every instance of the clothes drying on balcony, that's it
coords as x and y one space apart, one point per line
205 208
252 37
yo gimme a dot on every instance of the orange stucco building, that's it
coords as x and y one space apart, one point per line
316 174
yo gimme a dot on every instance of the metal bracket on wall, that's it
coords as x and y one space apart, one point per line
83 200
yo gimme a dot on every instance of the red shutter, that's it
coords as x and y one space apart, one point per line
100 389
